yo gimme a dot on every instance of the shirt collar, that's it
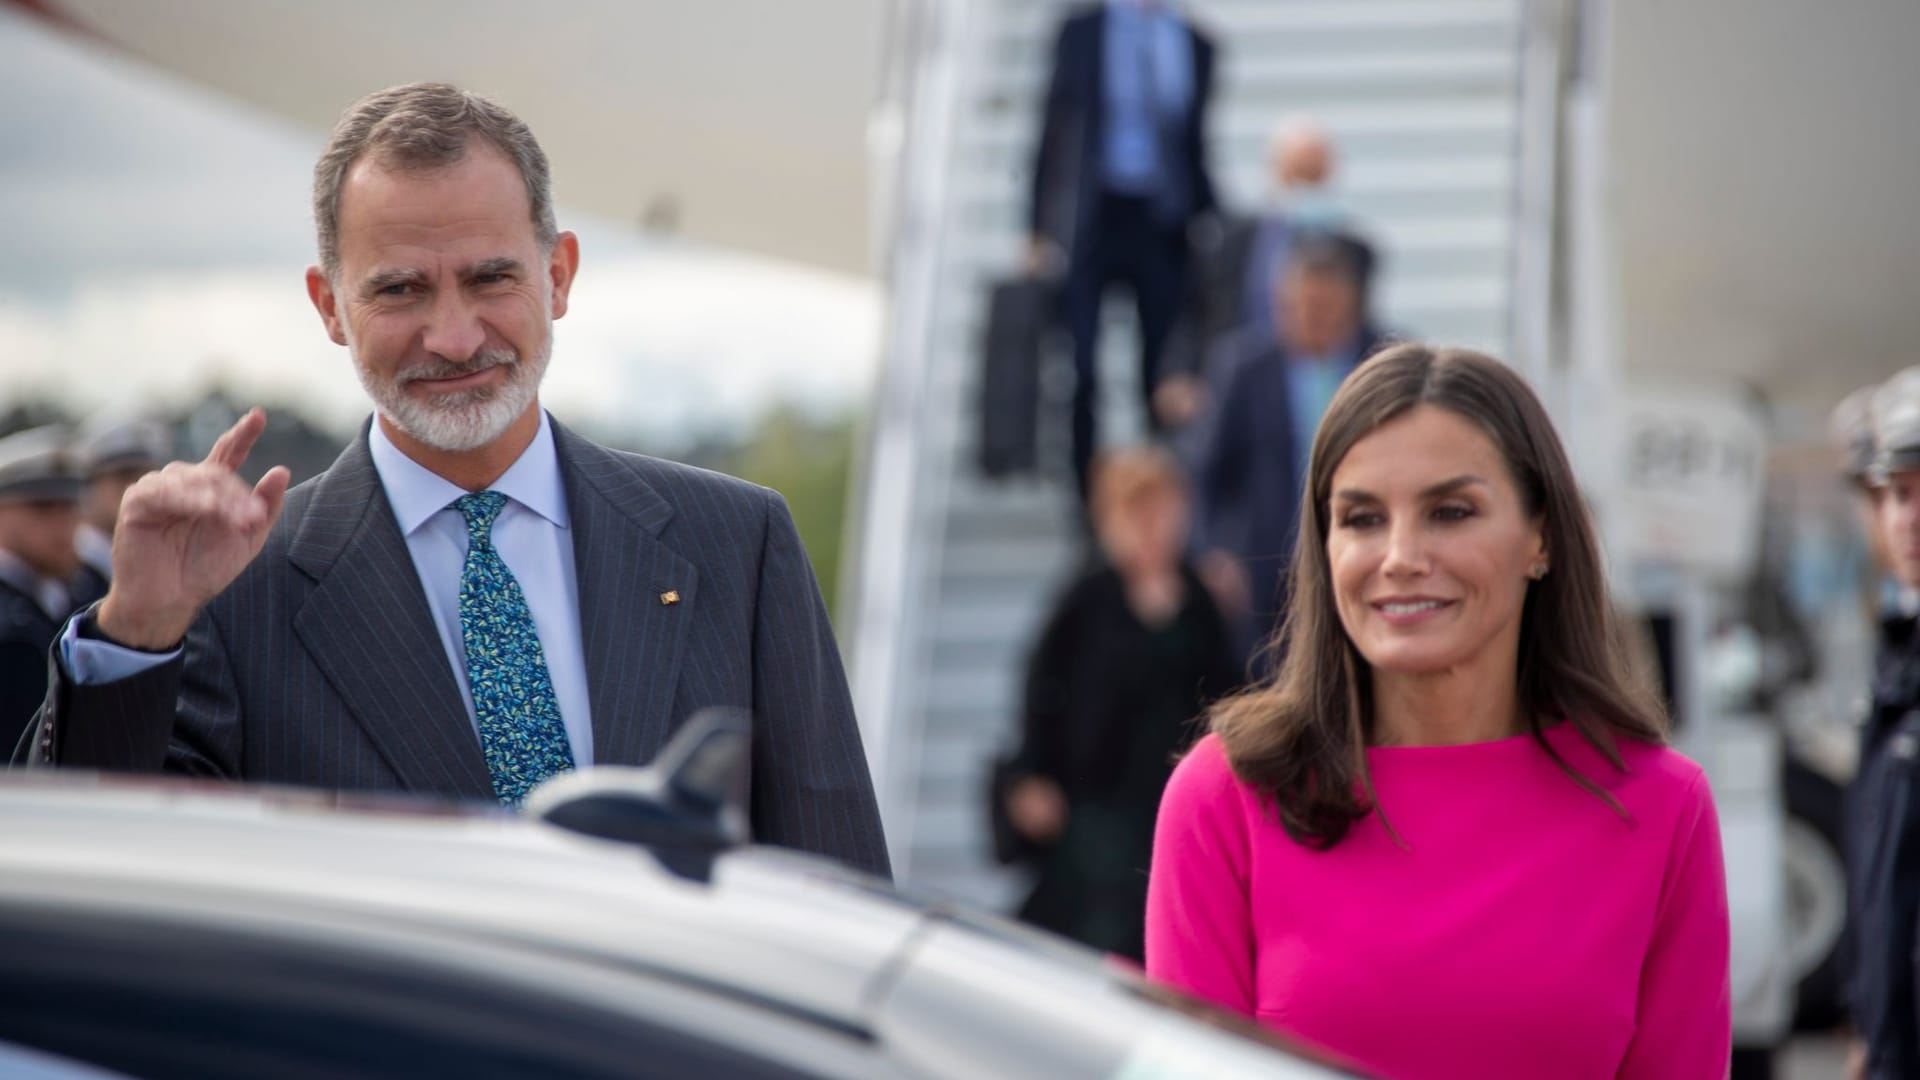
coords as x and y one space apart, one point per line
417 493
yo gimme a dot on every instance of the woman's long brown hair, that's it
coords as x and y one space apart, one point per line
1300 738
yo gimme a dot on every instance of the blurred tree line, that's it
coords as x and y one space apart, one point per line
810 461
804 457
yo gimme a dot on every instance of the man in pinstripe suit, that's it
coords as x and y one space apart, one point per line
472 597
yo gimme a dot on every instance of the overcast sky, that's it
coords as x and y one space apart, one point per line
155 236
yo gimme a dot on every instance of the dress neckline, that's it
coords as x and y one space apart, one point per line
1503 744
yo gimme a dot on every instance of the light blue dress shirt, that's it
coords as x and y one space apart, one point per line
1311 383
533 535
1148 65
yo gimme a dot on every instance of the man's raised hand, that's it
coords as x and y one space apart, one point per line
184 534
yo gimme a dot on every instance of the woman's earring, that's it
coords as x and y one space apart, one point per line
1539 571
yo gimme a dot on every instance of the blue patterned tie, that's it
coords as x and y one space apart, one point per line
520 728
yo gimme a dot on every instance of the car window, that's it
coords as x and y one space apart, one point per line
158 999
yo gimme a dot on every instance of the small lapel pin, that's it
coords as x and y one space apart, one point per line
670 597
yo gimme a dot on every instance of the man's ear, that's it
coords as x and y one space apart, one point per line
327 303
562 264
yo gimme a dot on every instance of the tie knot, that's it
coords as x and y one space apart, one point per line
480 508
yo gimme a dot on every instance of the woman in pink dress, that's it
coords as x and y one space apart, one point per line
1446 839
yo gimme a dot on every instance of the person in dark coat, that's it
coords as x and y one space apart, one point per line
1119 175
548 603
1127 661
39 500
1883 802
1264 399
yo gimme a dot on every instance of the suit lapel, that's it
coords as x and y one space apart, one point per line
367 625
632 635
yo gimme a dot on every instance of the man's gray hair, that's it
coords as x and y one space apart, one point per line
422 127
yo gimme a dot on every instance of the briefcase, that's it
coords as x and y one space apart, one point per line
1019 315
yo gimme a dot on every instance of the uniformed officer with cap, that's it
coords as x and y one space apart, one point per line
1884 801
39 510
114 450
1851 429
1851 433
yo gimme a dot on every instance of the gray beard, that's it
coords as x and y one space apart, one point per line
468 419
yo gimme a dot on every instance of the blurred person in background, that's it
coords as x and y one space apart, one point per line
1119 178
1236 266
1851 430
1128 659
1302 202
1446 839
472 599
114 451
1263 404
1883 803
39 511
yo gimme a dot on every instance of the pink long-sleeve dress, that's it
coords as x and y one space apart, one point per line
1520 927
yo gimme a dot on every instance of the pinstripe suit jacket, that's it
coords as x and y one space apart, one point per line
320 664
